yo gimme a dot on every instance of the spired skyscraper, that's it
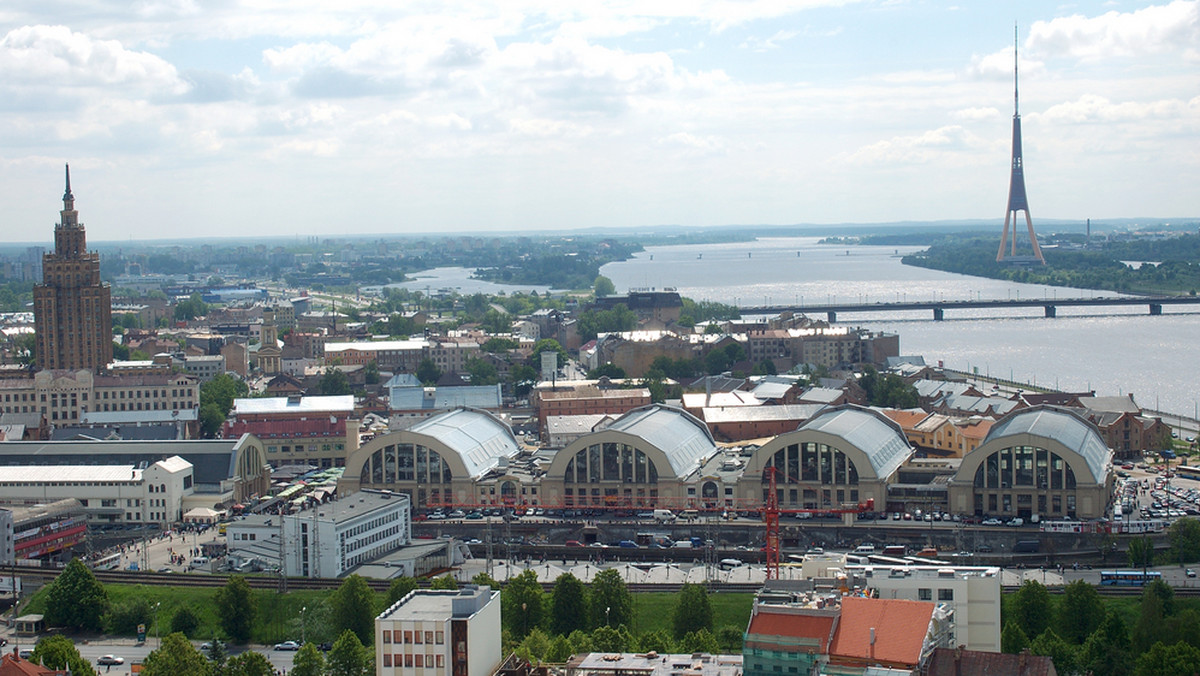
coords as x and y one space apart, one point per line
1017 200
72 308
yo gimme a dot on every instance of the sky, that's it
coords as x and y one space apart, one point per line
203 118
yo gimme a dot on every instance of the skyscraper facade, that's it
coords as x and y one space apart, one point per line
72 308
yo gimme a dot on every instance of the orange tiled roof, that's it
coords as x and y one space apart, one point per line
817 627
11 665
905 419
900 630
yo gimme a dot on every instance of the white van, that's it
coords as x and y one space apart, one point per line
867 549
199 562
664 515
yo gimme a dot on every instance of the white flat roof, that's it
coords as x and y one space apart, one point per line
324 404
70 474
373 345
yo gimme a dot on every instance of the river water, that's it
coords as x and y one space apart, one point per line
1110 350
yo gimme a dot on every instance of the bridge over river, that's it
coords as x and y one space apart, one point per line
939 307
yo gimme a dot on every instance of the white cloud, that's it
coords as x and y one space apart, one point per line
918 149
55 55
1093 108
1171 28
975 114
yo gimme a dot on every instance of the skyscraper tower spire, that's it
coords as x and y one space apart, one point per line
72 307
1017 200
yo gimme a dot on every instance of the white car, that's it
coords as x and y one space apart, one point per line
992 522
287 645
110 660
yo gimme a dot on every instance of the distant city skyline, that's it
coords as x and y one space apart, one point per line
302 118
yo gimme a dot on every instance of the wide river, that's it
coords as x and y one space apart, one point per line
1110 350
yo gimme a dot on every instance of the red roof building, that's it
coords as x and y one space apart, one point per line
11 665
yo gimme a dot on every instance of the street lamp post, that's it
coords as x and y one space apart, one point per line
156 639
606 609
302 627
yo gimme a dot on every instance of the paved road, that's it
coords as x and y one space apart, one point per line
132 652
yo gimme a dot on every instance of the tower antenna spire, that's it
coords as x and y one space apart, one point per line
67 195
1016 63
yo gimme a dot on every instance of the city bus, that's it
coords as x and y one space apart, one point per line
1129 578
110 562
1187 472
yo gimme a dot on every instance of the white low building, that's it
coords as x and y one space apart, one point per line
326 540
153 493
440 633
972 591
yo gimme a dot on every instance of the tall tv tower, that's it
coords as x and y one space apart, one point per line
1017 201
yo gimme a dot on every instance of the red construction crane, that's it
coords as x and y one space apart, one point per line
771 517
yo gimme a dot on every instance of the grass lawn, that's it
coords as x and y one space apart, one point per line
278 615
654 610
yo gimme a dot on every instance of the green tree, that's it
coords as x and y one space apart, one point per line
446 581
606 370
371 373
482 372
249 663
1141 552
185 621
1180 659
175 657
1063 654
692 610
216 654
1106 651
522 604
236 608
211 420
482 579
1080 612
1148 629
399 588
730 638
560 650
348 657
334 382
499 345
428 372
1184 539
59 652
124 618
352 608
659 640
222 390
603 286
611 639
611 604
308 662
495 322
1165 594
193 307
568 604
699 641
534 646
76 599
1031 609
522 377
1013 639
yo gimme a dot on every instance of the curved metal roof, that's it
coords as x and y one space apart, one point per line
880 439
479 438
683 438
1062 426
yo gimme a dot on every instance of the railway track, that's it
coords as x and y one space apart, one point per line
323 584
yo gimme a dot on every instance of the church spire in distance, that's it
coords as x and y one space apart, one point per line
67 195
1017 199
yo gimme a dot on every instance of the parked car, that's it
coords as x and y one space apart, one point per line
1190 572
287 645
110 660
993 522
